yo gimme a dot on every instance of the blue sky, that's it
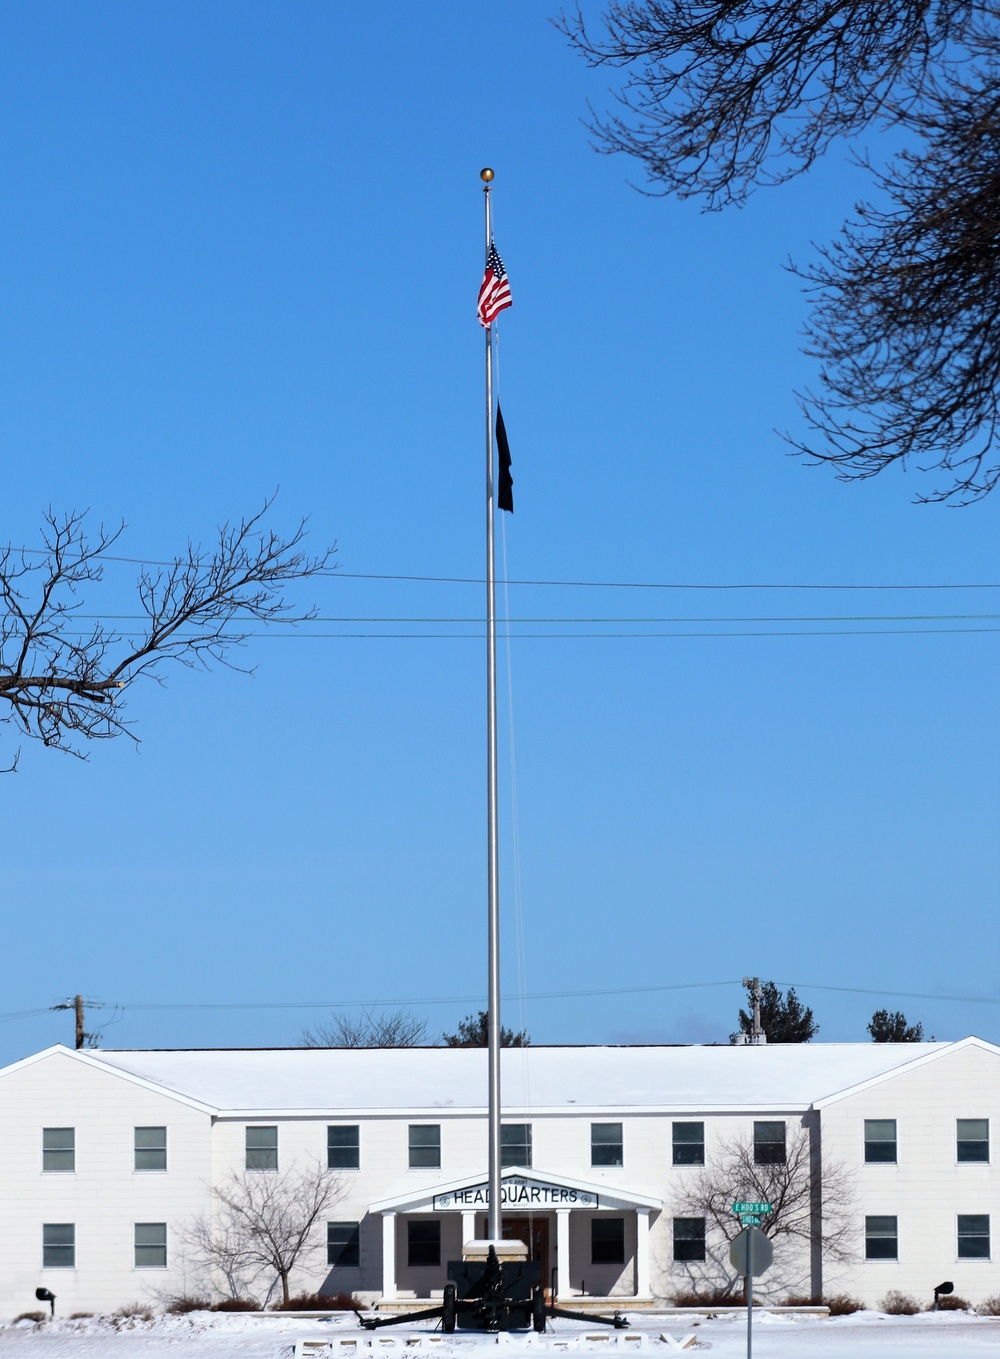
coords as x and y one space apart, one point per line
241 244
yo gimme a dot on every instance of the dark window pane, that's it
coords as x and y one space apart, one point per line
689 1238
58 1245
58 1149
424 1243
973 1139
343 1244
425 1145
343 1147
607 1240
973 1236
606 1144
515 1144
262 1148
881 1238
880 1141
150 1149
769 1144
689 1144
150 1245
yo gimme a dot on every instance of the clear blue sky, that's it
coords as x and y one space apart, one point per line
241 244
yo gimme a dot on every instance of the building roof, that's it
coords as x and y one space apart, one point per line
345 1081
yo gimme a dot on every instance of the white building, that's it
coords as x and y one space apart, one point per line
110 1156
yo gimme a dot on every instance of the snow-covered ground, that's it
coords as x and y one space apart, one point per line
866 1335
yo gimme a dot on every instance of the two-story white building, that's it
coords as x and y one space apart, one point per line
111 1157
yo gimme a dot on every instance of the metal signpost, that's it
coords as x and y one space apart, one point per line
751 1253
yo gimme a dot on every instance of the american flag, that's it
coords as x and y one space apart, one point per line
494 294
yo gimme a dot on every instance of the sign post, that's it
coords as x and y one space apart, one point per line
746 1258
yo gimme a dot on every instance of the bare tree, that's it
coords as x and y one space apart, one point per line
64 677
720 96
812 1205
393 1029
263 1225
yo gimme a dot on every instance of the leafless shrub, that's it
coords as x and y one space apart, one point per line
710 1297
236 1305
899 1304
320 1302
30 1316
179 1307
990 1307
953 1303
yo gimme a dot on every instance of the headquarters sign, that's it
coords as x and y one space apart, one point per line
518 1192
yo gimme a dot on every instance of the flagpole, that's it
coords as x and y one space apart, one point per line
493 870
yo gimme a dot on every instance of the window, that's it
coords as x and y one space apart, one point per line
881 1238
973 1236
769 1144
606 1146
880 1141
58 1149
343 1244
150 1245
59 1245
423 1241
425 1145
515 1144
607 1240
689 1238
973 1142
689 1144
343 1150
262 1148
150 1148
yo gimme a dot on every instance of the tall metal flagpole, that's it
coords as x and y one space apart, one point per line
493 891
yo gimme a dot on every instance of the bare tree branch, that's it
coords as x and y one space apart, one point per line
264 1225
66 686
800 1214
395 1029
721 95
906 323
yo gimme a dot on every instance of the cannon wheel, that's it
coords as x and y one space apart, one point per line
538 1308
448 1308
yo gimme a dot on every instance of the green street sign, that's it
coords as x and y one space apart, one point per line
750 1219
751 1208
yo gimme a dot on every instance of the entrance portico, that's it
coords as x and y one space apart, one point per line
547 1209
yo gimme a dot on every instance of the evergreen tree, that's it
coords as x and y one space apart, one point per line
893 1028
472 1032
783 1018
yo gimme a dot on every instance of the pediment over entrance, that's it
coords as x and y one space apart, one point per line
524 1190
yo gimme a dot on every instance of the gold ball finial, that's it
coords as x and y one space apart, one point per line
486 175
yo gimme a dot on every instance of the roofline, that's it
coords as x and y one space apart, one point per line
940 1050
91 1059
397 1201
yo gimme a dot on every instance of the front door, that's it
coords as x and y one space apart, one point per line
534 1232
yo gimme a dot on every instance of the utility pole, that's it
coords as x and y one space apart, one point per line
756 1032
76 1004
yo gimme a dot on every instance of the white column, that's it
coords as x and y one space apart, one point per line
468 1227
388 1255
642 1252
562 1252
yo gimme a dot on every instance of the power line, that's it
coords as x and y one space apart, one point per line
573 584
476 999
576 618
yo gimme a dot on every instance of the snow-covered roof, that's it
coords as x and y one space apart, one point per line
343 1081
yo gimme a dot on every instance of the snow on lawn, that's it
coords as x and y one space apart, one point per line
201 1335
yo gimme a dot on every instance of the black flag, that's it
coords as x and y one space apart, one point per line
505 485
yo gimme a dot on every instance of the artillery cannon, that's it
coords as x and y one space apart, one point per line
490 1295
